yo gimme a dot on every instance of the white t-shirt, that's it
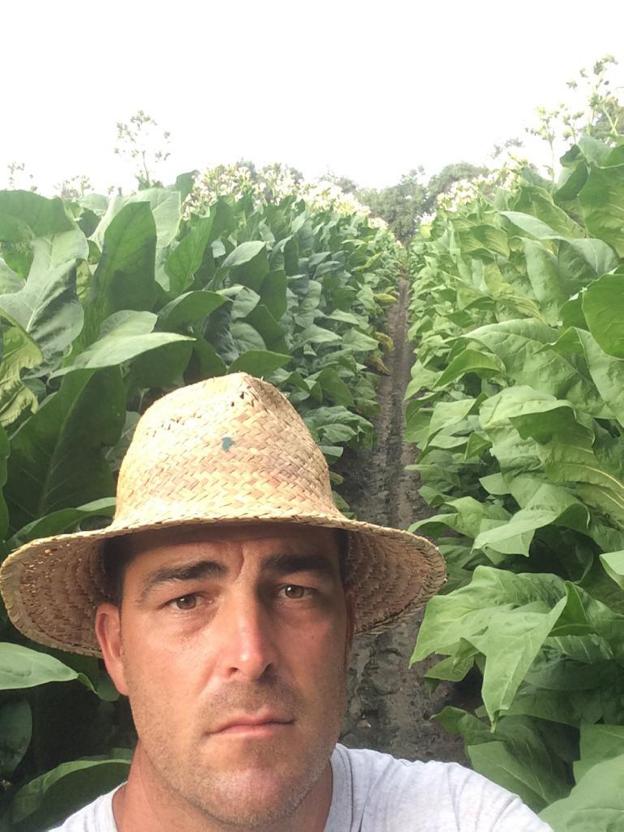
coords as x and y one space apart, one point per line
375 792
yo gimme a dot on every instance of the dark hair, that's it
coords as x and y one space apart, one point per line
116 555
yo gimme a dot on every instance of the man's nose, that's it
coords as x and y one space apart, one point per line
247 645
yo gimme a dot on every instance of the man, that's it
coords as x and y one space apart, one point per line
224 598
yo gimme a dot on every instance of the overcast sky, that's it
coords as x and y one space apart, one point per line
364 89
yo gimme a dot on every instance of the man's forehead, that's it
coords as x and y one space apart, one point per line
226 537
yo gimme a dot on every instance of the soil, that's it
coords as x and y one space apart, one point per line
390 705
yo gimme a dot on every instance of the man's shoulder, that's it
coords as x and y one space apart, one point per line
447 795
96 816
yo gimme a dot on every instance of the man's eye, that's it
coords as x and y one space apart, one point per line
184 602
295 592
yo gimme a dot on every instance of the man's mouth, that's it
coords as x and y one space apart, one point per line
258 724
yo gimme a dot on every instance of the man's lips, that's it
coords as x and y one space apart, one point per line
256 723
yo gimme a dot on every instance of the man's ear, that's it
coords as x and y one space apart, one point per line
108 634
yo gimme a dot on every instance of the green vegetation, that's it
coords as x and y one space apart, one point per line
516 404
104 305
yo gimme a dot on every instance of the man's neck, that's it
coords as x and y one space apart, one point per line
145 804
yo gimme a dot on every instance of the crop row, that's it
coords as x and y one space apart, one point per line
105 305
517 405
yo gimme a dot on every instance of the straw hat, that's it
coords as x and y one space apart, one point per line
230 449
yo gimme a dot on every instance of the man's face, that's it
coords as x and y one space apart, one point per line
218 627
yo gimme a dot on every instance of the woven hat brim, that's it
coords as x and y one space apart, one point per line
52 586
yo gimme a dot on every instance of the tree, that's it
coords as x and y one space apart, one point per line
399 205
442 182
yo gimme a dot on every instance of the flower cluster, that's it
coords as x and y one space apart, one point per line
272 183
465 191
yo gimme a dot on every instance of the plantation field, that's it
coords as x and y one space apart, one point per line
515 320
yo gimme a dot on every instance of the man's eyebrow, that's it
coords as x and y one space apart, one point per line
287 564
280 564
184 572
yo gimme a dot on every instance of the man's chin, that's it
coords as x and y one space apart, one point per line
253 795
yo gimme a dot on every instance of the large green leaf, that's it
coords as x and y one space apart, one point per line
358 341
565 446
592 149
531 225
334 387
548 504
545 280
47 307
206 362
468 361
15 734
189 308
9 280
464 515
520 754
161 366
249 264
123 336
25 215
581 261
64 520
258 362
314 334
163 205
595 804
446 415
603 307
267 327
309 303
57 456
602 200
49 799
273 293
538 202
185 259
524 347
245 337
473 238
506 617
531 778
606 372
19 352
244 301
124 278
598 743
21 667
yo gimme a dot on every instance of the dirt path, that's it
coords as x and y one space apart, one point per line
390 707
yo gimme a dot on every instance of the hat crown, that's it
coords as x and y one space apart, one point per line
229 445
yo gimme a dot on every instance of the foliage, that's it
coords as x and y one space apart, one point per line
402 206
592 108
399 205
104 306
271 184
599 114
516 404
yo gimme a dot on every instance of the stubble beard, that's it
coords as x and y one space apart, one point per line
272 786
